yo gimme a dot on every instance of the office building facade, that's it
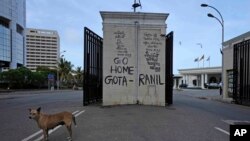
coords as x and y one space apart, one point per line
43 48
12 38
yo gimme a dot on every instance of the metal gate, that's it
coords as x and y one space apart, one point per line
169 69
93 45
241 84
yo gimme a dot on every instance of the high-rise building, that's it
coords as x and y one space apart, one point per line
12 38
42 47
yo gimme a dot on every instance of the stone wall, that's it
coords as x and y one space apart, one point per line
133 58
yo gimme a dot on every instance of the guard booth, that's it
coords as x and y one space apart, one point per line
132 64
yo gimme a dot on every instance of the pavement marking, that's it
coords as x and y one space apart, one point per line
39 139
50 132
75 113
232 122
33 135
223 131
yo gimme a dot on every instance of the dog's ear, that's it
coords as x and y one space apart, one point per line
38 109
29 110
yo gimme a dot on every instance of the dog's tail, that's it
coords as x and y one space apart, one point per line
74 120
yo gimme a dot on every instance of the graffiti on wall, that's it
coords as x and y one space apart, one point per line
122 50
152 42
120 70
150 79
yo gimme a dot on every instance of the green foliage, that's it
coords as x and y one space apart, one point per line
23 78
46 70
68 76
78 77
17 78
39 79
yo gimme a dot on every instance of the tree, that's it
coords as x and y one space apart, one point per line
45 69
65 72
39 79
23 78
41 75
78 76
17 78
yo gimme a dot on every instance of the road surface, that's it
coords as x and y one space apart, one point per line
192 117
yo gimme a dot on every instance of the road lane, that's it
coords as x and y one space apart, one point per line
189 118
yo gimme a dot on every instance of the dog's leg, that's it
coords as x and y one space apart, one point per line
70 132
45 134
74 120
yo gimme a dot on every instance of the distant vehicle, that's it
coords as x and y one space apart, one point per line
183 85
213 86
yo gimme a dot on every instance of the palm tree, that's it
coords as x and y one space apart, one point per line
65 70
78 76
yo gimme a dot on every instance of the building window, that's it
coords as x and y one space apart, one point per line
5 48
19 29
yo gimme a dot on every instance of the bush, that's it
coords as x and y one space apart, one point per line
23 78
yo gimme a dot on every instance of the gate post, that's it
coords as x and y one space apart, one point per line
134 59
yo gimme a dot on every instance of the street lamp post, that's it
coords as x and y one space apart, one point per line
58 60
221 21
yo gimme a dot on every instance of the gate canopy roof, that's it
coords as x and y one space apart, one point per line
195 71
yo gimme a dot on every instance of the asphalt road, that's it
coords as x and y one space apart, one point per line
15 124
190 118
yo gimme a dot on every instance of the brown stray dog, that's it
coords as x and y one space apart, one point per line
46 122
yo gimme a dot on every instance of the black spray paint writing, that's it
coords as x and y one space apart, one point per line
150 79
119 69
120 46
121 66
116 80
152 42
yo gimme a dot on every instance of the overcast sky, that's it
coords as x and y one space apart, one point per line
187 19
